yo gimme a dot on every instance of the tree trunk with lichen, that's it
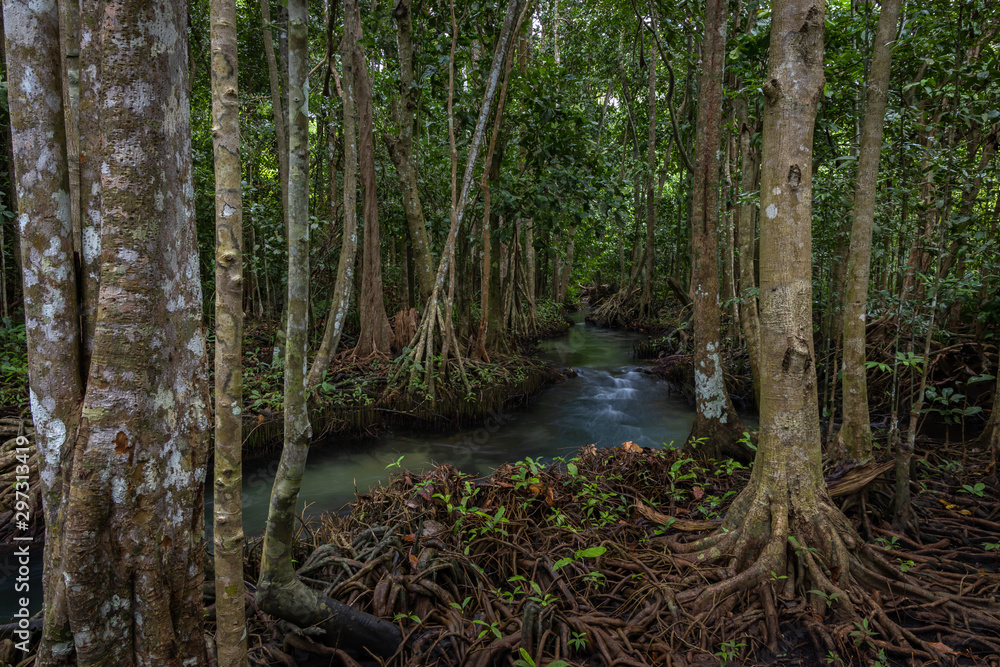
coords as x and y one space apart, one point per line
230 591
854 440
716 423
123 571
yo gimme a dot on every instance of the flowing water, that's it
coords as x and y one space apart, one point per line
608 403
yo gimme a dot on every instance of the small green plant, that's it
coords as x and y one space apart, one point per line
578 641
864 632
905 565
493 627
411 617
976 489
729 651
887 544
540 597
991 546
461 607
396 464
832 658
527 661
592 552
828 598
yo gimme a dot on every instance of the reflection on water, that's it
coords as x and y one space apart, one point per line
608 403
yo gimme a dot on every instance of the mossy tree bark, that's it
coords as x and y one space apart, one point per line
279 590
855 437
716 421
122 443
230 591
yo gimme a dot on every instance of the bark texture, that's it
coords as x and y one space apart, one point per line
403 152
747 231
123 453
855 436
44 221
349 243
376 334
716 420
230 591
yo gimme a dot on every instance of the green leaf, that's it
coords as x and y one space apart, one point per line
592 552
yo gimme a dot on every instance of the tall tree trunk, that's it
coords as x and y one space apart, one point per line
281 146
344 285
747 230
646 300
855 437
716 420
230 591
403 154
123 573
279 590
376 334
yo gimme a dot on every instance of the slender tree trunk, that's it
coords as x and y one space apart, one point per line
349 244
230 591
403 154
279 590
376 334
716 420
281 146
727 233
855 438
646 300
747 230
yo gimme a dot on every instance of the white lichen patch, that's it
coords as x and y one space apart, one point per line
197 345
227 210
91 240
776 191
771 212
128 255
51 434
119 487
709 391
